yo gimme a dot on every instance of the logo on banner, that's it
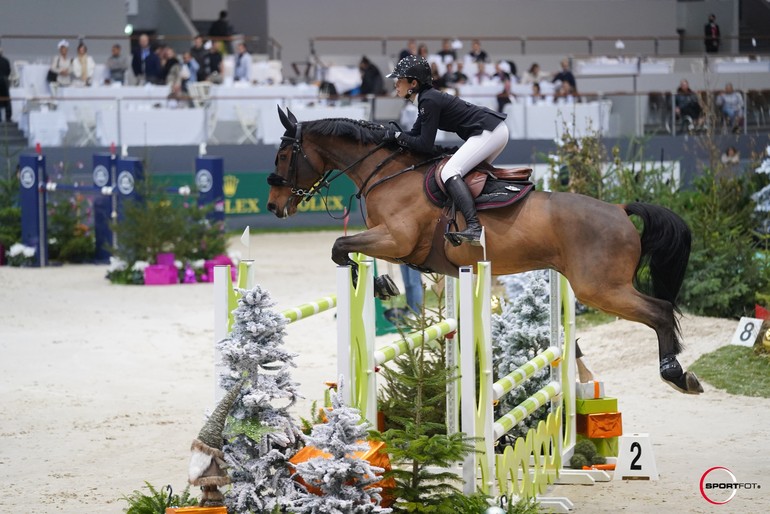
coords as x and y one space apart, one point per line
718 485
27 177
204 181
126 182
101 176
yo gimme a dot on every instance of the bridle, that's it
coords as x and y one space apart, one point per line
326 178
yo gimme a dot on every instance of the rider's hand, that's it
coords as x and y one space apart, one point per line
391 136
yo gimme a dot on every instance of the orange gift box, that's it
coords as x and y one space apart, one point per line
373 456
600 425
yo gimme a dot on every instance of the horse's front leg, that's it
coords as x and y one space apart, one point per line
376 242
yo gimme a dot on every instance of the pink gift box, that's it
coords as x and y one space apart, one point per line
165 258
160 274
219 260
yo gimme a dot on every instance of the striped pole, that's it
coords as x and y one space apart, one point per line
527 407
308 309
521 374
389 352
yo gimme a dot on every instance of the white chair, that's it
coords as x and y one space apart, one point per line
86 121
199 92
247 118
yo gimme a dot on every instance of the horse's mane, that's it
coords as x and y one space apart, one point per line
363 131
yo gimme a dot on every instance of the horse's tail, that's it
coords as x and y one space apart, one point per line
666 240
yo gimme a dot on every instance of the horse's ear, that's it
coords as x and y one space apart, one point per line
288 125
292 118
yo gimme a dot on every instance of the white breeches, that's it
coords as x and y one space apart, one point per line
484 147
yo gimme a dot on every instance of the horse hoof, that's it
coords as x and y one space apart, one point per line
385 288
686 383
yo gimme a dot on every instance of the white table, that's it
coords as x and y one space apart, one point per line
151 127
225 98
98 98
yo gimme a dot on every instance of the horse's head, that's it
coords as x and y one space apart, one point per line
297 171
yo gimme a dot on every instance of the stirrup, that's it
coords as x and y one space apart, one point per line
458 238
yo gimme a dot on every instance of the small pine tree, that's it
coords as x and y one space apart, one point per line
261 436
344 480
520 332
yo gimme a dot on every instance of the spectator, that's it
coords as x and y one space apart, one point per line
731 156
221 30
117 64
481 76
83 67
5 92
477 54
447 53
242 64
565 94
190 68
687 106
198 53
371 78
438 79
411 49
537 96
145 63
171 73
730 103
212 65
61 66
422 51
565 74
712 36
534 74
503 75
413 289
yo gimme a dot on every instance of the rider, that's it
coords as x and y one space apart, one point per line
483 130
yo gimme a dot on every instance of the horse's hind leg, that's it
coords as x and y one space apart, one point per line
630 304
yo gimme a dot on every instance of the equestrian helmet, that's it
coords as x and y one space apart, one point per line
412 67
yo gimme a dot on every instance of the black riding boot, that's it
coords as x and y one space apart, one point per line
461 196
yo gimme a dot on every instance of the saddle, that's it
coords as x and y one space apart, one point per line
491 187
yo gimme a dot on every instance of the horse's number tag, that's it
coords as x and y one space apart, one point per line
747 331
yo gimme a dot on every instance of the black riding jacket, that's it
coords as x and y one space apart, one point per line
437 110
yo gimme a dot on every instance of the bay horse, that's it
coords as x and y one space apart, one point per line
592 243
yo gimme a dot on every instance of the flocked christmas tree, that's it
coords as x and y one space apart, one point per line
344 480
519 333
262 435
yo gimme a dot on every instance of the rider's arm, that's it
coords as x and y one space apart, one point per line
422 137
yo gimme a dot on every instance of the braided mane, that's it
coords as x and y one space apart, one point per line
362 131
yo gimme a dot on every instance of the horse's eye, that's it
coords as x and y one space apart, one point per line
282 157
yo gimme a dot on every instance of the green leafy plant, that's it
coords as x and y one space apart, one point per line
70 238
157 500
10 212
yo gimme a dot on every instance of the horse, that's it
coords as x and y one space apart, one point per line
592 243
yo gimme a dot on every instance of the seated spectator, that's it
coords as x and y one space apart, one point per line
533 74
731 156
83 67
565 94
242 64
565 74
688 108
411 49
145 63
212 65
454 77
481 76
177 97
447 53
422 51
730 103
61 66
537 96
477 54
117 64
371 78
197 52
438 79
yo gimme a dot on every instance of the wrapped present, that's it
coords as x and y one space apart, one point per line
373 456
160 274
166 258
596 406
606 446
196 510
592 389
600 425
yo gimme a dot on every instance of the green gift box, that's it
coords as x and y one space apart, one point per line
596 405
607 447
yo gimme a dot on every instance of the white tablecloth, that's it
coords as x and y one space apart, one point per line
96 98
249 98
46 127
151 127
271 129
